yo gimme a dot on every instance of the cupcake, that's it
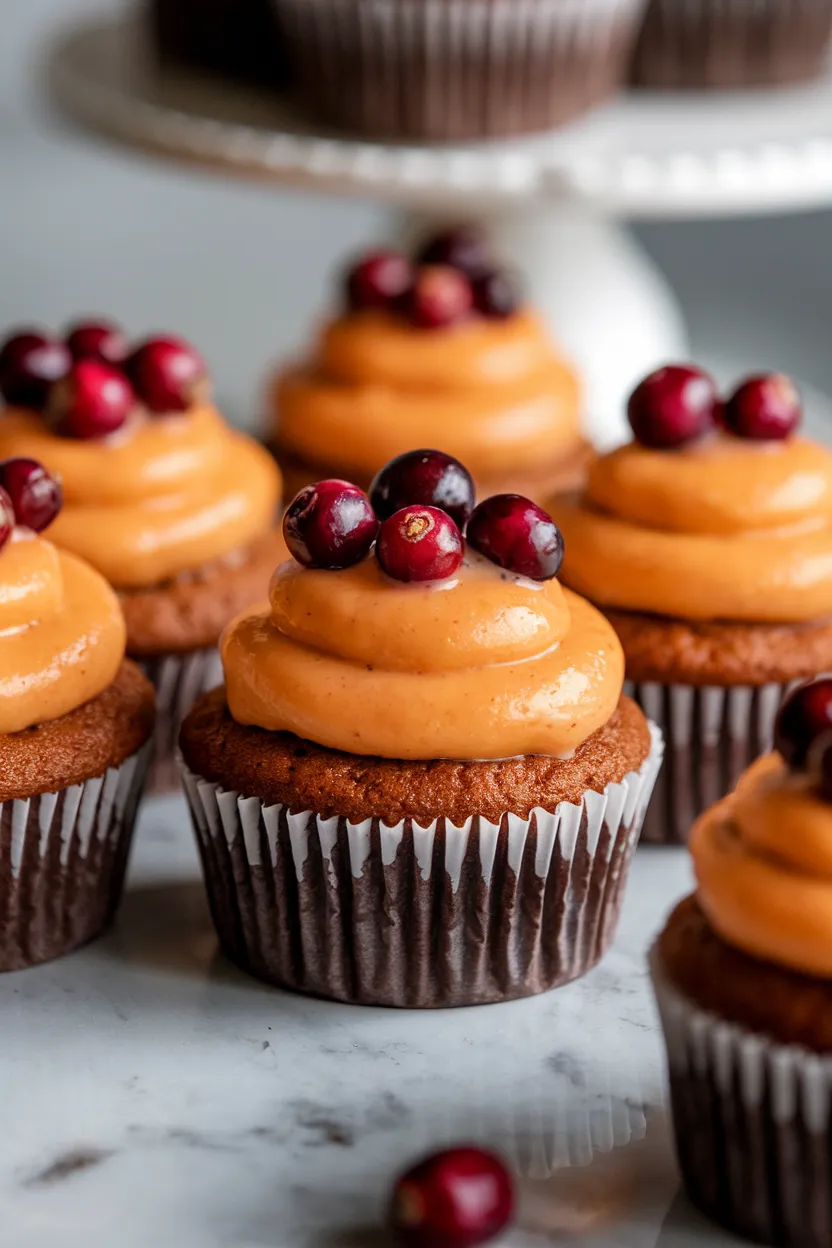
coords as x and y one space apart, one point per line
732 43
175 509
235 38
420 785
76 722
707 543
449 70
743 979
437 350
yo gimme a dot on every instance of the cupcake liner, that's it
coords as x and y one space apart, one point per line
456 69
233 37
711 735
418 916
62 862
753 1124
179 679
732 43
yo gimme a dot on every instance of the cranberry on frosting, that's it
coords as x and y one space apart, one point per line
30 363
419 544
431 478
764 408
672 406
97 340
805 716
330 525
34 494
92 401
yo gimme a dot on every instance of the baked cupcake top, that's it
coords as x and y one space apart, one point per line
390 634
62 635
155 483
441 349
715 511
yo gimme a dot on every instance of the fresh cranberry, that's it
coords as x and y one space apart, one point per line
97 340
764 408
516 534
380 280
440 296
30 363
6 517
168 375
330 525
497 294
419 544
35 493
803 717
454 1199
93 401
464 247
672 406
427 478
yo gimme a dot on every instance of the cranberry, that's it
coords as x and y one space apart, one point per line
380 280
497 294
419 544
29 364
93 401
35 493
672 406
6 517
439 296
515 533
803 717
429 478
464 247
330 525
455 1199
168 375
819 764
97 340
764 408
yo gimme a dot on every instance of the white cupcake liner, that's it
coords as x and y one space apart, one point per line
62 862
406 915
753 1124
179 680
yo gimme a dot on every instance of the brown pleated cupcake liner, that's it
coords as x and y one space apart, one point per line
416 916
449 70
62 862
732 43
179 679
239 38
711 735
753 1125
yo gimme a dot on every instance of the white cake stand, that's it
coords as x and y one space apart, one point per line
552 200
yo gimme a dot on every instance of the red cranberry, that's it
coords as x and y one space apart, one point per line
30 363
35 493
93 401
803 717
6 517
455 1199
380 280
419 544
440 296
764 408
330 525
516 534
97 340
428 478
672 406
464 248
497 294
168 375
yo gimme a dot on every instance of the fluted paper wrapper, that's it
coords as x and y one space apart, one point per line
456 69
753 1124
179 680
62 862
406 915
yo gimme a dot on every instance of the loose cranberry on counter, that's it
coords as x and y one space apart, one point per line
92 401
168 375
97 340
465 247
419 544
35 494
497 294
455 1199
30 363
515 533
674 405
804 716
380 280
440 296
6 517
330 525
427 478
764 408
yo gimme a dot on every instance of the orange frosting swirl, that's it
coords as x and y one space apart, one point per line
163 496
492 393
724 529
62 634
482 665
763 859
